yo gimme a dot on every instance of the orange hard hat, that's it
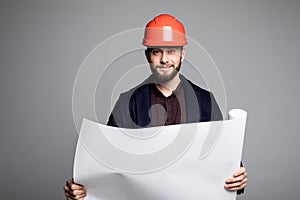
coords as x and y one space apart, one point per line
164 30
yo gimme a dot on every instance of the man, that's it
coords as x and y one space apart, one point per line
166 97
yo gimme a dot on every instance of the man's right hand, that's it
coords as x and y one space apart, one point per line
74 190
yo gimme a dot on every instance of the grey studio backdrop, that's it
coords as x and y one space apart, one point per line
255 45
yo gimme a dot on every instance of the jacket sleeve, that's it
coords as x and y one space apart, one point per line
111 119
120 116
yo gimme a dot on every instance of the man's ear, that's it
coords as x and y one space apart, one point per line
183 52
147 54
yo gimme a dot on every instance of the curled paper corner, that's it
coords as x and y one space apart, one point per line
237 114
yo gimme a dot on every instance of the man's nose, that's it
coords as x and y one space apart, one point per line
164 58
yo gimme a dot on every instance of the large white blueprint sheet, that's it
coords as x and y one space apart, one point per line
177 162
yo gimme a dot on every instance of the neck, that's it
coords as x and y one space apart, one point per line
168 87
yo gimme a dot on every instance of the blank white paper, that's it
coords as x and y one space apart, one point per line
176 162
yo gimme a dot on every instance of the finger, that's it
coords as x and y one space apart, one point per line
237 188
236 179
77 197
68 191
81 196
66 188
74 190
69 196
76 186
69 183
75 194
79 192
236 184
240 171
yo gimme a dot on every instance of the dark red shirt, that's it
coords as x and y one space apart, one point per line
167 110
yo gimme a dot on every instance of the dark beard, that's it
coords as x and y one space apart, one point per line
160 79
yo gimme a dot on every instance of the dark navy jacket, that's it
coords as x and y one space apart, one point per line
132 107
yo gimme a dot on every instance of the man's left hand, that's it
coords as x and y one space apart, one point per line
238 181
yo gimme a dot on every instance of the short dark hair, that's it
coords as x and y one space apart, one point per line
149 49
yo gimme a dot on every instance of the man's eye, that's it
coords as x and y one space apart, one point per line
172 51
156 52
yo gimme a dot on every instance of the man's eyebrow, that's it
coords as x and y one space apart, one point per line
155 49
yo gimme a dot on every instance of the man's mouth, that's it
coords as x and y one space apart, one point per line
165 66
165 69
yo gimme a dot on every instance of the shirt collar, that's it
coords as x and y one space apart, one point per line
157 92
